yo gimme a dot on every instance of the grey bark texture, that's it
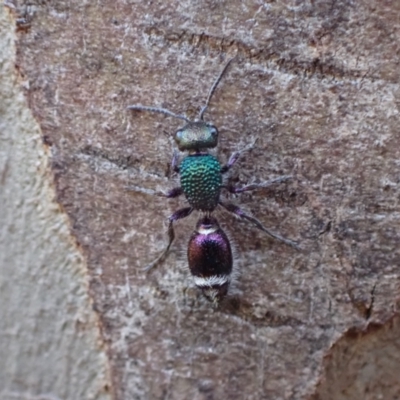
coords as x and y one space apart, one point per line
317 83
50 343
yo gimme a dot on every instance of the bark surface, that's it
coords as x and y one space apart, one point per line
317 84
50 344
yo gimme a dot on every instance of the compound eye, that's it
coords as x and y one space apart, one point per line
178 135
213 131
180 138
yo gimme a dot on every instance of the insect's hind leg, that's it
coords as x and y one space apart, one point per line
239 212
182 213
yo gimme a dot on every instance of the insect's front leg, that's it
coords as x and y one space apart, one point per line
175 192
175 162
235 156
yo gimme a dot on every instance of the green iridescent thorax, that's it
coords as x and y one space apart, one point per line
201 180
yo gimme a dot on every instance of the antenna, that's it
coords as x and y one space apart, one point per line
164 111
213 87
139 107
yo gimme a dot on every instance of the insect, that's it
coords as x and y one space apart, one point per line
209 250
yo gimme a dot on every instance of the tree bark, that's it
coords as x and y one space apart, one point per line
316 83
50 343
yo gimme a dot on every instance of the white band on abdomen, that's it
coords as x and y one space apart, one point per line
215 280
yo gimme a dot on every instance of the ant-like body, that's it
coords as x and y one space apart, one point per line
209 251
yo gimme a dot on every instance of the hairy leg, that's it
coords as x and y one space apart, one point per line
254 186
235 156
175 192
182 213
239 212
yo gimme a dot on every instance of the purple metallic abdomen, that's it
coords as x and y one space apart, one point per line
210 259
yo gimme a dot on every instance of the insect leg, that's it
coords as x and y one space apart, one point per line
175 192
235 156
175 162
182 213
254 186
239 212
